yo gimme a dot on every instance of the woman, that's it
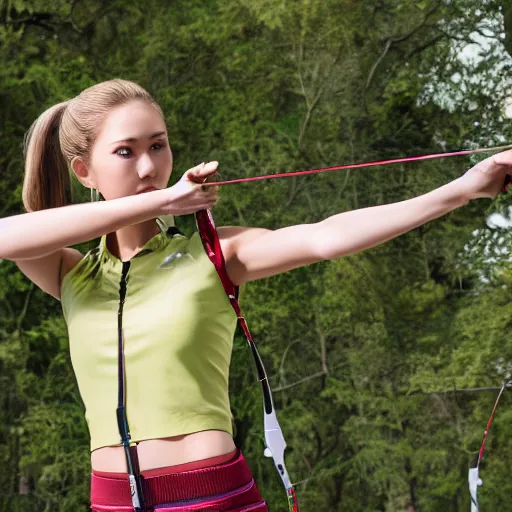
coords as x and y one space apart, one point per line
150 326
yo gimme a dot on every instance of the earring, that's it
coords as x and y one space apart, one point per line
95 195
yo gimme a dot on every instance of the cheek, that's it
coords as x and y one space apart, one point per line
166 160
167 154
110 171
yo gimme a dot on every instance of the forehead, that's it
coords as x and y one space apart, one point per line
133 120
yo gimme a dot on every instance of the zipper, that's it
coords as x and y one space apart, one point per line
121 398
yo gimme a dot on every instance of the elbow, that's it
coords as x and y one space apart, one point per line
326 245
331 241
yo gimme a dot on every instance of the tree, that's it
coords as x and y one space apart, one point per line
358 349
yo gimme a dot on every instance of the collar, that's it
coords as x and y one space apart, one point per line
167 231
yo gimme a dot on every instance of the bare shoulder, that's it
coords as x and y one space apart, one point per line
231 236
49 271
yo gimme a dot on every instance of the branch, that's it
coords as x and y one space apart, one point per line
312 106
72 17
23 313
326 372
321 373
301 381
301 80
462 390
323 347
9 307
389 43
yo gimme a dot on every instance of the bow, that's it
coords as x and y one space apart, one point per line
274 439
474 479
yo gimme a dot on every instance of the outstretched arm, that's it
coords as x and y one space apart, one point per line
254 253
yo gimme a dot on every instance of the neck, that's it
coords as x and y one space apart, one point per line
126 242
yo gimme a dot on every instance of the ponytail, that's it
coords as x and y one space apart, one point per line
47 178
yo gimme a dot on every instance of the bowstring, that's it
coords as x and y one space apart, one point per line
357 166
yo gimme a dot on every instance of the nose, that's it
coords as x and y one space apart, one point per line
145 166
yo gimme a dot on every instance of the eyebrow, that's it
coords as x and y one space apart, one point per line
134 139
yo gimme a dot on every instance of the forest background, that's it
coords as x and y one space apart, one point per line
374 358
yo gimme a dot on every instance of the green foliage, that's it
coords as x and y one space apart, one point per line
364 352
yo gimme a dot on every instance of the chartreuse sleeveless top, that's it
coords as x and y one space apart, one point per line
178 330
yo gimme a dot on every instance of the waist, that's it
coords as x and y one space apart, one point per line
170 451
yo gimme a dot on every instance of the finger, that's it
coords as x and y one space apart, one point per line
205 206
503 158
207 170
211 167
213 177
195 170
201 172
196 174
210 202
193 174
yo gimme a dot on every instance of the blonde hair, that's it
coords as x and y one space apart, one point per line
65 131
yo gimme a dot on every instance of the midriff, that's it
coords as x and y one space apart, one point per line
169 451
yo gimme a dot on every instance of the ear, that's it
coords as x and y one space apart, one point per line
81 170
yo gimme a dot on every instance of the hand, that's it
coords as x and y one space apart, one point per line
489 177
188 196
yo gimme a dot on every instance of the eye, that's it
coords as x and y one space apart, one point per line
124 152
158 145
